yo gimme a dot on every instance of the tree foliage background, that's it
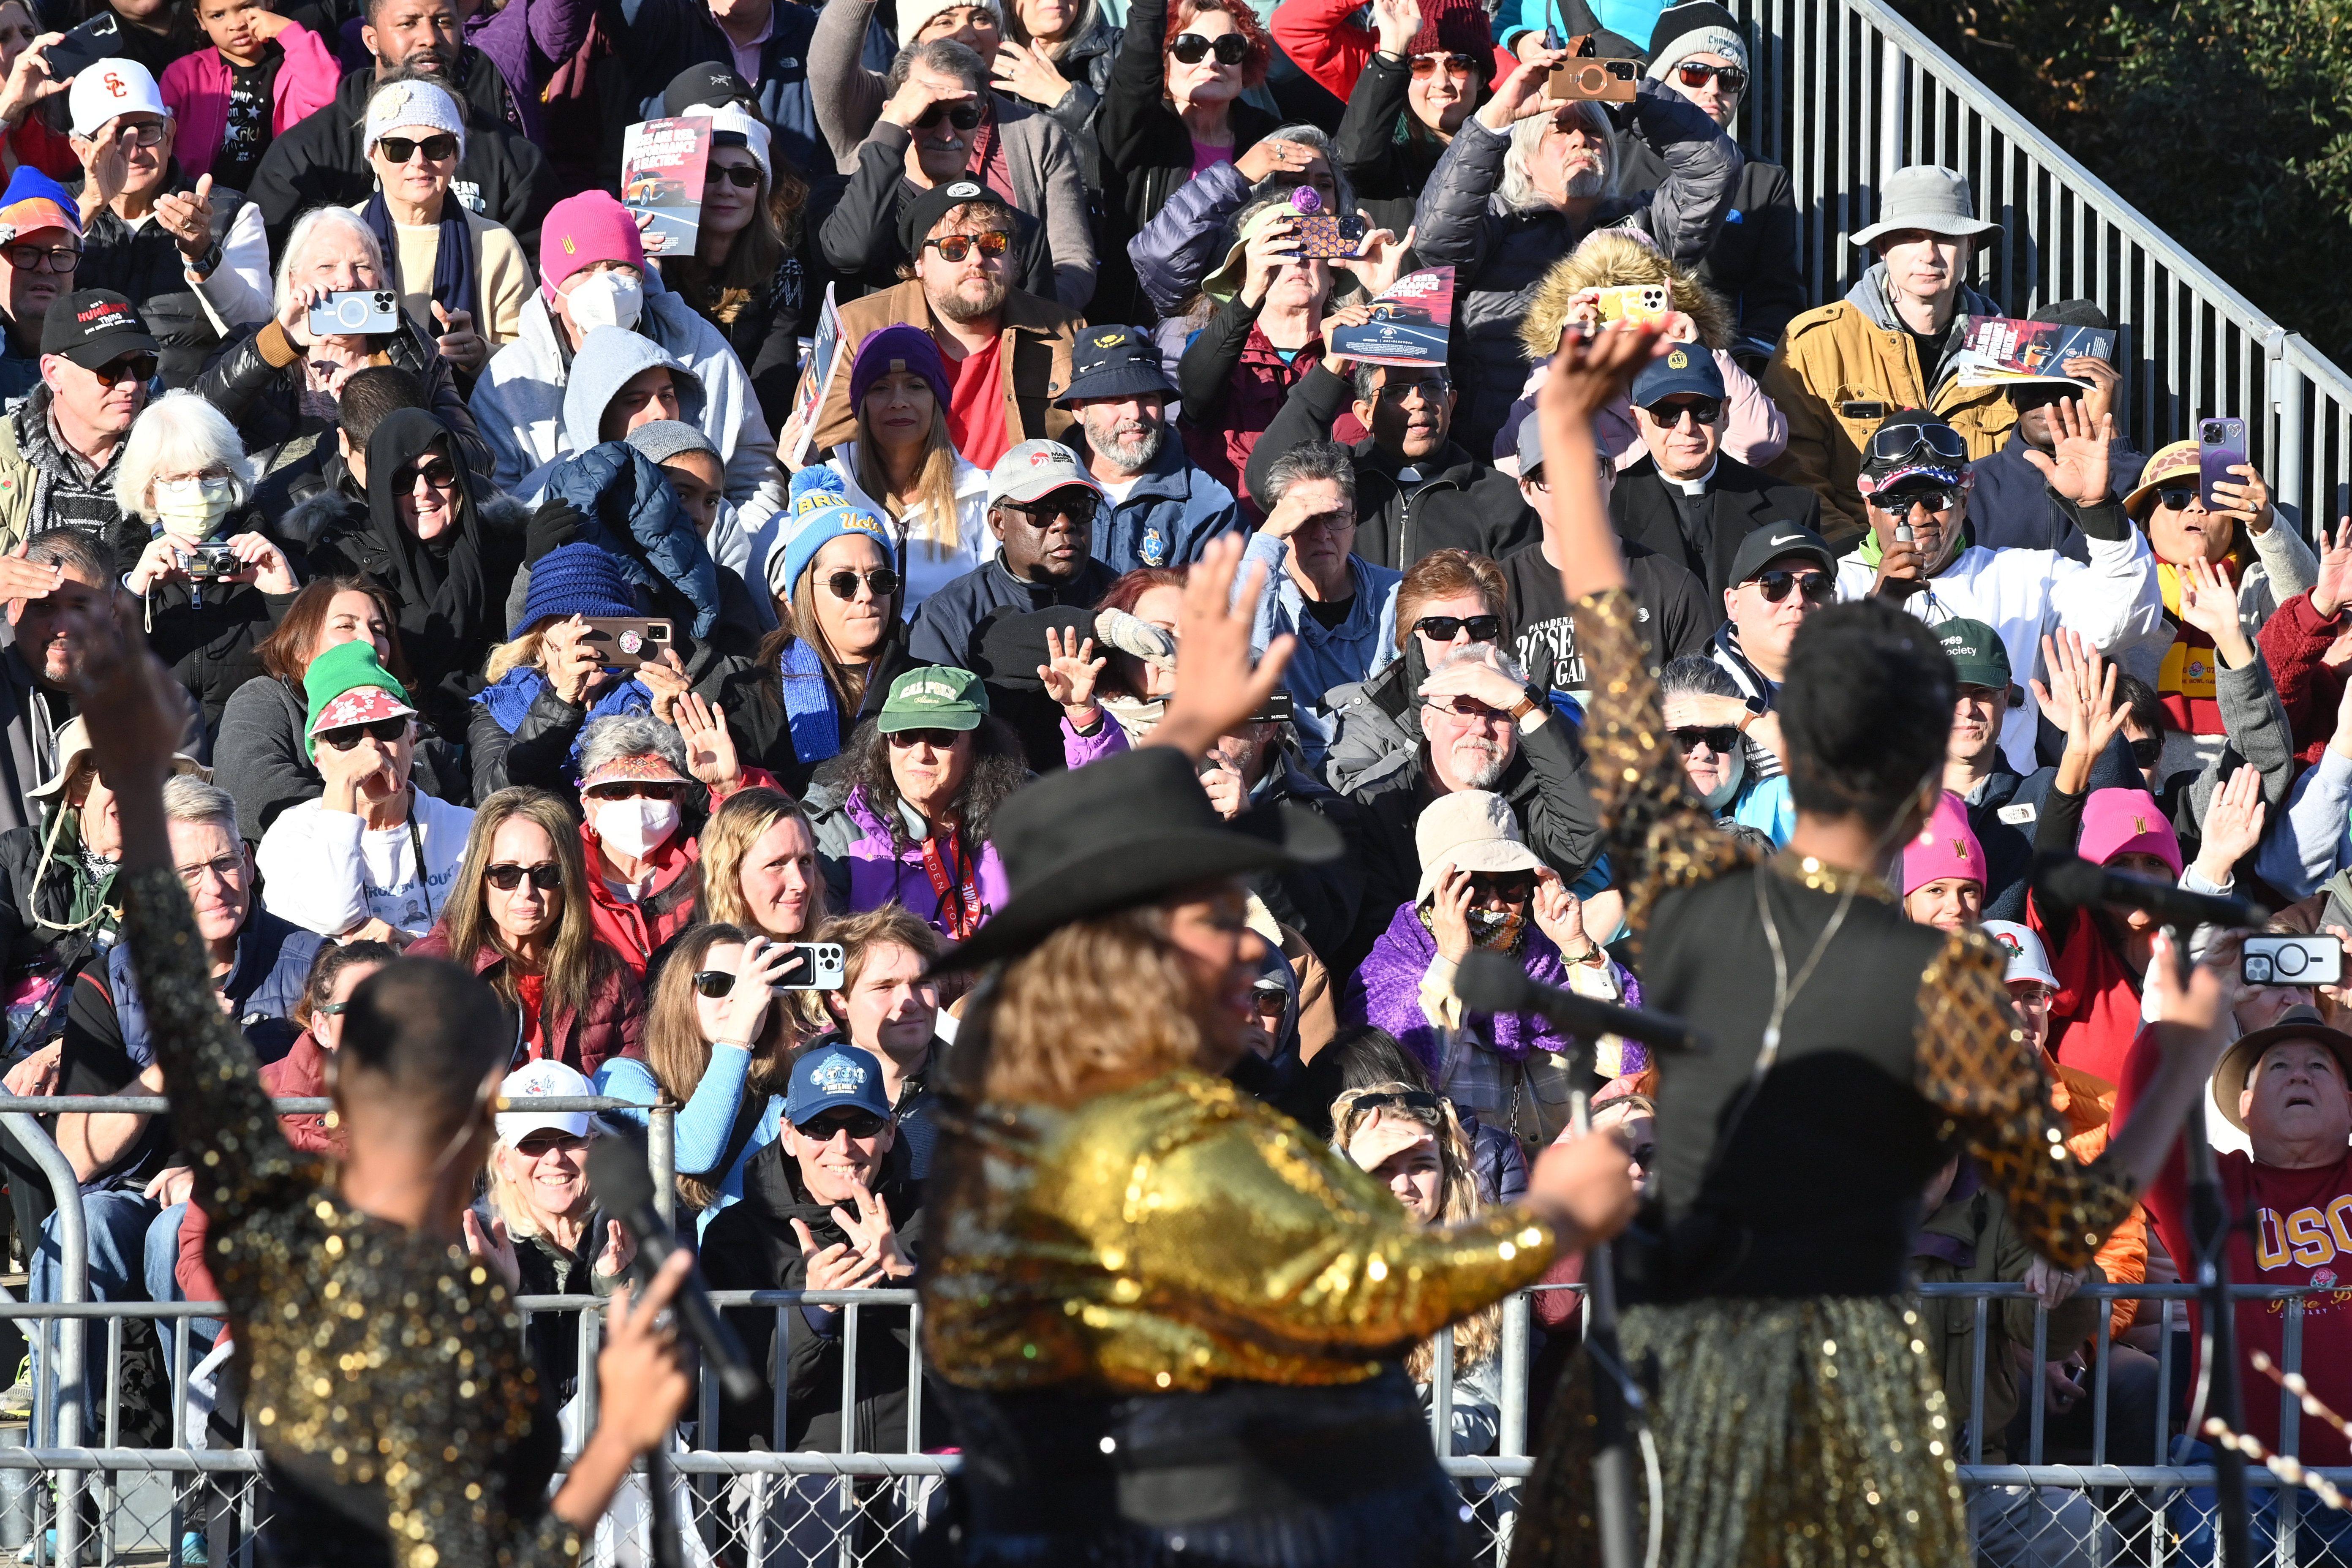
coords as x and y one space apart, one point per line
2228 122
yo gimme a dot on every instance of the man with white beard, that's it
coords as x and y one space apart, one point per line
1161 509
1483 726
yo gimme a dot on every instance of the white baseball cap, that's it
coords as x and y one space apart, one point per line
111 88
539 1079
2027 959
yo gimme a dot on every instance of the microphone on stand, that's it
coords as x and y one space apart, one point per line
2067 879
1489 981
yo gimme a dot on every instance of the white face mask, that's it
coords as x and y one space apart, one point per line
636 827
192 508
606 299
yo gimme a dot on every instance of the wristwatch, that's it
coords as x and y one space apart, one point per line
1531 700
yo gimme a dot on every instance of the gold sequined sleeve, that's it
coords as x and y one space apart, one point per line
1659 837
1975 1063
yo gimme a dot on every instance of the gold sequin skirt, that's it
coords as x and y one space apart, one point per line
1792 1434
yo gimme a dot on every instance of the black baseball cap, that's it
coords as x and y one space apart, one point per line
92 327
1116 362
707 84
918 218
1771 541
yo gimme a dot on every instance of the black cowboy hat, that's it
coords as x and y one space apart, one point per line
1119 833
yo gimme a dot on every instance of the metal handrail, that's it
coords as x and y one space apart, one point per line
1847 92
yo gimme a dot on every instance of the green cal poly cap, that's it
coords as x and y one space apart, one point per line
935 697
1976 654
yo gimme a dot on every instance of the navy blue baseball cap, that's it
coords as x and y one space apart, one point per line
1686 370
835 1075
1116 362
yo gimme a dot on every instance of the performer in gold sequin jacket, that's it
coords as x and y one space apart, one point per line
1799 1419
400 1419
1172 1319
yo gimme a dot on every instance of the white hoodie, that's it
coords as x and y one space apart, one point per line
328 872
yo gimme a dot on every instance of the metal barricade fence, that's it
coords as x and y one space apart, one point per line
1846 92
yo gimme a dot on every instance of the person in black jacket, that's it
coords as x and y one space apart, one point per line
1416 490
1161 113
1422 80
828 1205
1041 507
1698 50
320 162
1688 499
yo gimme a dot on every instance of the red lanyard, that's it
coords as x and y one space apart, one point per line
960 905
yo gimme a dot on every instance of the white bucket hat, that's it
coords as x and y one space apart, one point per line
1925 196
1473 830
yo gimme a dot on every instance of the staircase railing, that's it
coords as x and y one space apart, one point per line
1847 92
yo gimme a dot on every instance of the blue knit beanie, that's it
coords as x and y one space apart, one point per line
576 580
818 529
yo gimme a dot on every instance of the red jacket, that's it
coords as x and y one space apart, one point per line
614 1024
634 930
1261 384
1327 45
2294 643
300 1074
2097 1011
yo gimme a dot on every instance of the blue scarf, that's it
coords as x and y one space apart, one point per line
508 699
453 262
808 704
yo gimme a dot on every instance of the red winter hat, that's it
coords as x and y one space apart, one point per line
1455 26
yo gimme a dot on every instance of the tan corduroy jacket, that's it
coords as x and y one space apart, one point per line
1035 350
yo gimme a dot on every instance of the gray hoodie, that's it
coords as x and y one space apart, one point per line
608 358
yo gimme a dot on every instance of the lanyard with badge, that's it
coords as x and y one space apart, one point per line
959 894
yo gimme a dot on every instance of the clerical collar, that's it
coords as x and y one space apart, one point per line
1697 486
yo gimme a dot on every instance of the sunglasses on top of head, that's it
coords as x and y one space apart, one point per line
1692 75
1894 442
1192 48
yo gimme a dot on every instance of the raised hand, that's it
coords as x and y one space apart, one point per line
2081 696
1268 251
187 217
1070 673
841 1267
134 708
1379 261
2247 500
29 81
1027 73
620 1251
1449 914
870 1230
1560 915
758 974
1274 155
105 169
1520 95
571 662
459 343
494 1247
709 744
1397 22
1221 683
2076 466
2233 824
2210 603
2334 585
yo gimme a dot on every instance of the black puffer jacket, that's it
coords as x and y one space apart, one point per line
1085 65
257 382
207 635
750 1246
144 266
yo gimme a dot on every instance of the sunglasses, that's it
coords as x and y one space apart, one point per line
43 257
1516 891
1693 75
1464 708
332 1009
1720 739
962 116
436 147
1893 444
636 789
937 740
956 247
539 1145
881 583
1668 415
1192 49
1900 506
1443 628
1427 65
1269 1004
713 982
1430 387
438 472
147 133
859 1124
1406 1100
2180 500
130 367
1076 504
345 737
547 876
2145 752
742 176
1816 586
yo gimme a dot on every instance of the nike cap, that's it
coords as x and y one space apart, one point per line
1773 541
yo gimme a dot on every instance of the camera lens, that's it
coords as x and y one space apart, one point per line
2290 961
2258 971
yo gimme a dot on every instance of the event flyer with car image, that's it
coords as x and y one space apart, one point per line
1409 322
662 167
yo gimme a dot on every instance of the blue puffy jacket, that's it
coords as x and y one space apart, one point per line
628 510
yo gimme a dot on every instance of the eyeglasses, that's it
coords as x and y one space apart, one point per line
1192 49
2180 500
1900 506
937 740
146 133
438 472
44 258
1426 66
346 736
130 367
742 176
1893 442
1669 415
2146 749
1816 586
331 1009
1720 739
956 247
436 147
1443 628
1431 387
859 1124
1464 708
962 116
1692 75
1074 503
547 876
636 789
1516 891
228 868
881 583
2036 1000
713 982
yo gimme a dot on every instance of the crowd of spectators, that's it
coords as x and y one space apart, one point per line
572 627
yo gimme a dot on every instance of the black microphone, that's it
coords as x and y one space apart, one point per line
2067 879
1490 981
624 1187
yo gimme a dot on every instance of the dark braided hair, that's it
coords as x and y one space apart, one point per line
1866 710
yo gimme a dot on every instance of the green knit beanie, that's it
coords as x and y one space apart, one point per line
338 686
